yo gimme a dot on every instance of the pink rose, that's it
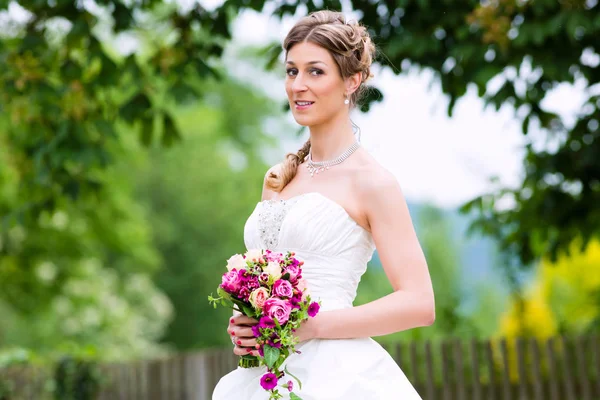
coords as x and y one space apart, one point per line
283 288
231 282
278 309
294 271
258 297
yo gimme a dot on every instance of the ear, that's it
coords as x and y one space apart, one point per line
352 83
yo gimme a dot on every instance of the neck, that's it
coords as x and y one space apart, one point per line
328 141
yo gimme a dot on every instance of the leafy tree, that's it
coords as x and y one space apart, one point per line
63 91
80 277
68 101
199 194
530 47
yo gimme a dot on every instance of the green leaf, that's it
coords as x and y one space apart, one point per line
122 16
105 128
271 355
293 396
249 311
135 107
170 131
146 131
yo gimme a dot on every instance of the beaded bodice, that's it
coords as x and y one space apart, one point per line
334 248
270 218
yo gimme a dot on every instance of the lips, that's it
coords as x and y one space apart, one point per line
303 105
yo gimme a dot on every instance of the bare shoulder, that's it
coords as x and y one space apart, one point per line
267 193
378 190
374 180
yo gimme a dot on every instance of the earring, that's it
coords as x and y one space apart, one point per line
346 101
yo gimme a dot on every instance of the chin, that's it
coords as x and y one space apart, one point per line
308 121
303 121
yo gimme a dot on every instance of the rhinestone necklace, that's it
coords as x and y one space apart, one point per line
314 167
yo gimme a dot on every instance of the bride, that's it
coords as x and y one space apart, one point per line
333 205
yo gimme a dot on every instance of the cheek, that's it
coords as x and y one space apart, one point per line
331 92
288 88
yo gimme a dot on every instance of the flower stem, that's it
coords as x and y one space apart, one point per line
249 362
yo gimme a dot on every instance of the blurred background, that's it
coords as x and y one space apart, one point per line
134 137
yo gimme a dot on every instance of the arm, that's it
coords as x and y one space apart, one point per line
411 304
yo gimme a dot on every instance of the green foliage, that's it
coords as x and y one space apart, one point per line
77 379
63 94
538 45
80 277
72 377
199 194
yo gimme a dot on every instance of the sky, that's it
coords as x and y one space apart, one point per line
446 161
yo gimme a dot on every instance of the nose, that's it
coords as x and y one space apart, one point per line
298 84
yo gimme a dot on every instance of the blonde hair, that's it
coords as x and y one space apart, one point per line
349 44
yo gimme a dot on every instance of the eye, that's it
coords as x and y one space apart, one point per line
316 71
291 71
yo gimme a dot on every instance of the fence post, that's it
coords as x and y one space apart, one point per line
522 374
566 366
459 370
506 386
431 393
489 357
538 387
476 392
582 370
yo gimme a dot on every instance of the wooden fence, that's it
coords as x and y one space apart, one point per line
555 369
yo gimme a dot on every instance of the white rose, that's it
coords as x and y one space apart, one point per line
273 269
236 261
254 255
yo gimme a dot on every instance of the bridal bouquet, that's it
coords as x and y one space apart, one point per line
269 287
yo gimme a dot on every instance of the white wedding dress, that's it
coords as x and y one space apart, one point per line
335 251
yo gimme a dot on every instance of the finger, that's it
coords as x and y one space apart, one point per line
245 342
241 332
243 320
242 351
244 332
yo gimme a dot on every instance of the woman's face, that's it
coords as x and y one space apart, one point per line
314 86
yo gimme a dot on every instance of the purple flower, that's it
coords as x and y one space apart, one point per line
274 340
266 322
290 386
256 331
313 309
283 288
244 293
253 283
296 300
278 309
263 277
268 381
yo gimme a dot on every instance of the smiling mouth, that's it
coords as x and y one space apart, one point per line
303 104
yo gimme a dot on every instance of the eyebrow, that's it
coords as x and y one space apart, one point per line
309 63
